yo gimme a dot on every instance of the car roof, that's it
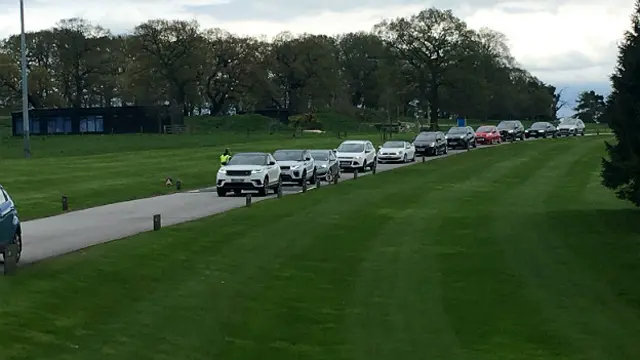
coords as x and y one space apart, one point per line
355 141
252 153
320 150
291 150
429 132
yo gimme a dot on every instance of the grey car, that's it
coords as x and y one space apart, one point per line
327 165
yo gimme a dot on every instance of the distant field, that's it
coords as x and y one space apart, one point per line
514 252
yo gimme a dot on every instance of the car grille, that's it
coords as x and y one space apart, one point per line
285 167
238 172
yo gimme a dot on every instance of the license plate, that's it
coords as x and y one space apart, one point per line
237 180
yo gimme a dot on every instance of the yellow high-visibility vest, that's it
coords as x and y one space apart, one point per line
224 158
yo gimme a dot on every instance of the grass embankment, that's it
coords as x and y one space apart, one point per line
514 252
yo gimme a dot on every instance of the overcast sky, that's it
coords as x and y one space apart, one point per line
569 43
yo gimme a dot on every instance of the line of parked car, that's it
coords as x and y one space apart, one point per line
264 172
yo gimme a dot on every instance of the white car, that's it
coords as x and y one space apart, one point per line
571 127
297 166
249 171
356 154
396 151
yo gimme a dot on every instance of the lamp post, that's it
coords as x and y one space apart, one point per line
25 91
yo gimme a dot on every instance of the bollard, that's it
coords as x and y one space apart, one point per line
10 261
355 174
178 185
374 169
65 203
304 186
248 200
335 178
318 182
157 222
280 191
424 159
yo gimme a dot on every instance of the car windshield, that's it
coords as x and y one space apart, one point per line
569 122
426 137
248 159
539 125
393 144
288 155
351 147
483 129
320 155
457 130
506 125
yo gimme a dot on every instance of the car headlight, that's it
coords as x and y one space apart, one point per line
432 144
573 129
295 167
257 171
461 136
510 131
222 170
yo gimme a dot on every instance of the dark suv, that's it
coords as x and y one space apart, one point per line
463 137
10 229
511 130
541 130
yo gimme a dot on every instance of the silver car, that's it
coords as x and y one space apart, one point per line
327 166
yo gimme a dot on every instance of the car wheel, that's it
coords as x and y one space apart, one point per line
237 191
17 240
314 178
221 192
278 186
265 187
329 177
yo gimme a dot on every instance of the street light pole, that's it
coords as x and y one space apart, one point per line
25 90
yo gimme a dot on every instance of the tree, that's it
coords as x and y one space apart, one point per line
432 43
621 171
589 106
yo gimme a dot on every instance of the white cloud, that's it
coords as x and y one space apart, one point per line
543 34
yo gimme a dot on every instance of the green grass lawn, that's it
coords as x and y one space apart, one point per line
514 252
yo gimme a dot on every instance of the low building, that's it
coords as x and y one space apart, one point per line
112 120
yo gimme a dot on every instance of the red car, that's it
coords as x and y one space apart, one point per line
488 135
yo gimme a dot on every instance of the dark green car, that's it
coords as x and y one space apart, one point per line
10 229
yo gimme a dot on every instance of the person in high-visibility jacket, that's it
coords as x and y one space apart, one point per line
224 158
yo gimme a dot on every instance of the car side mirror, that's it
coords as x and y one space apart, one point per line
307 159
271 163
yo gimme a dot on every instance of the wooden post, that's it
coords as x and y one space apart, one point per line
157 222
65 203
10 260
248 200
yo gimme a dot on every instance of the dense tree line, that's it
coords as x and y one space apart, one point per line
428 63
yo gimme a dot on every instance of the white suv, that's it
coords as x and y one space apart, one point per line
249 171
297 166
356 154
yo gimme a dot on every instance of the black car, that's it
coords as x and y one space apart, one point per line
462 137
430 143
541 129
511 130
